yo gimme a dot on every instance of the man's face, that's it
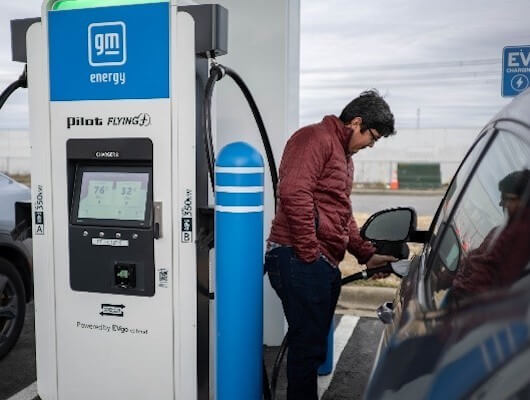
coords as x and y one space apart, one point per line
359 140
511 203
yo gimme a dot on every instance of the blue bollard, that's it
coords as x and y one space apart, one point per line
239 272
327 366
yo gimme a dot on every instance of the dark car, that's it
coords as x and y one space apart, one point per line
15 266
459 326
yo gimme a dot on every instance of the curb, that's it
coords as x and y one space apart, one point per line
365 297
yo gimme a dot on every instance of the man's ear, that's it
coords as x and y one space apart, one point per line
356 121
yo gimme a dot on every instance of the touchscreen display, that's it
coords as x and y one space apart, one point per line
113 195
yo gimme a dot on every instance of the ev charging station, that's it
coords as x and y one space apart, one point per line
122 226
114 178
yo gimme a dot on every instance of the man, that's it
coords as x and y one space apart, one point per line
314 226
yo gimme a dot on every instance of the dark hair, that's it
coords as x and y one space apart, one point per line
515 182
374 111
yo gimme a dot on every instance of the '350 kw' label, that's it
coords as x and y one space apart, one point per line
38 208
187 218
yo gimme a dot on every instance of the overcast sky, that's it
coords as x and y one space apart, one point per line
438 63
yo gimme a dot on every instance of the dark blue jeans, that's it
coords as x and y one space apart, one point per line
309 294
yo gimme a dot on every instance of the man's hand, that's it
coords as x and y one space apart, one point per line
378 260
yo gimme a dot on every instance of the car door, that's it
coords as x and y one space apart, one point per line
411 291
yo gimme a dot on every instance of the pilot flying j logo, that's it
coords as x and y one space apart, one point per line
140 120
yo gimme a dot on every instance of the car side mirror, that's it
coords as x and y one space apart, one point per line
392 225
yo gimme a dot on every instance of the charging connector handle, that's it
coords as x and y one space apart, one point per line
367 273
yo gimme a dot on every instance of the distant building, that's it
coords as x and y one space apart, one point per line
446 147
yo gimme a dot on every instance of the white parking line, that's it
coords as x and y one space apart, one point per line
342 334
28 393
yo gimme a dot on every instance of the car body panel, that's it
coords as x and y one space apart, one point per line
10 192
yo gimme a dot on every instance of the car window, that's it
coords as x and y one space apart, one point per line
449 250
455 188
4 180
484 245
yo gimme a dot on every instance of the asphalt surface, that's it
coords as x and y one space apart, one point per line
371 203
353 366
355 363
17 369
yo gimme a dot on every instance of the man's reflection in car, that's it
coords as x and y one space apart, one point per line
504 254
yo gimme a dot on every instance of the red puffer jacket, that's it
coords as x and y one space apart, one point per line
498 262
314 213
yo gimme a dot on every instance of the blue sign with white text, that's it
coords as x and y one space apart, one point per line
515 70
109 53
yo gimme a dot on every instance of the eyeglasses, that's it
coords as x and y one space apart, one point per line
374 138
505 198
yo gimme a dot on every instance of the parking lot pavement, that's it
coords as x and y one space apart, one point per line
355 344
355 363
17 369
356 340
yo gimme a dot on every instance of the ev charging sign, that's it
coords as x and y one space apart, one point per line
515 70
109 53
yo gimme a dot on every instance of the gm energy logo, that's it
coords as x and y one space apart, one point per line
107 53
107 44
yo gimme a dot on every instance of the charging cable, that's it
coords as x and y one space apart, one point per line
21 82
